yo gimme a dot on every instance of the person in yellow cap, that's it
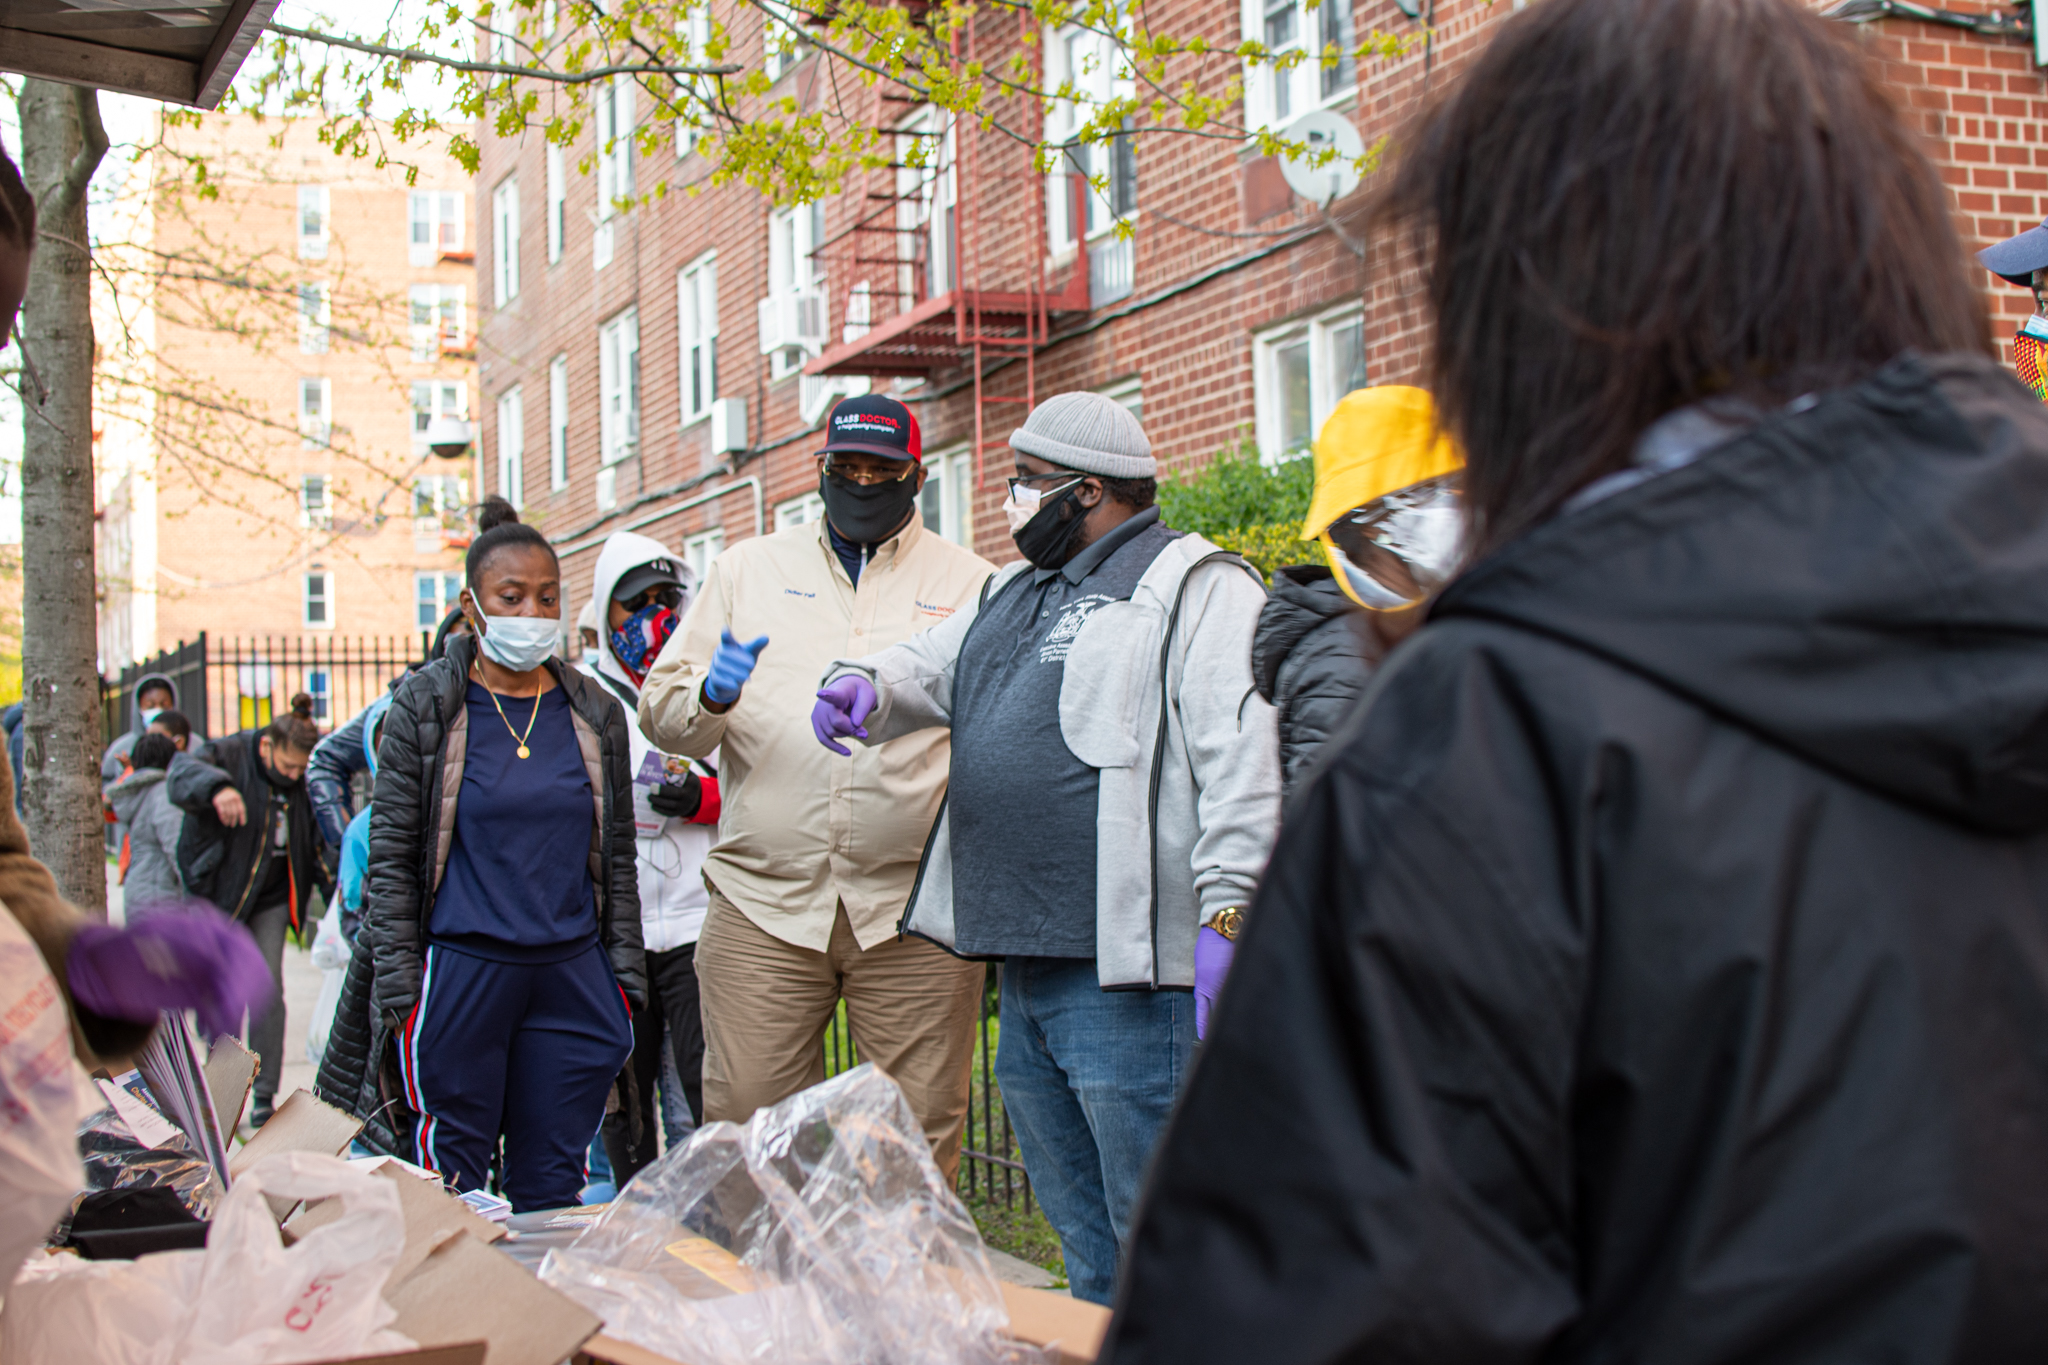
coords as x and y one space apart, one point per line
1385 511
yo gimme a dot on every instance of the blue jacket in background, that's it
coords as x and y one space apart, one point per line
331 772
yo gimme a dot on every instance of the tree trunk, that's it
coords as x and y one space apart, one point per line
61 144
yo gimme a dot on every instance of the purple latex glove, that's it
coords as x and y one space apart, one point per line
191 957
840 710
1212 960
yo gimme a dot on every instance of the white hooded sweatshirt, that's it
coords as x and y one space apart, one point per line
672 894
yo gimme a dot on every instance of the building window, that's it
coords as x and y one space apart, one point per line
312 222
925 200
799 511
695 31
1094 187
558 423
1300 371
434 222
699 550
433 596
697 335
1130 392
792 317
321 689
315 317
512 447
439 320
505 240
314 510
558 202
782 40
316 420
947 502
1273 96
438 503
618 370
433 398
613 119
319 599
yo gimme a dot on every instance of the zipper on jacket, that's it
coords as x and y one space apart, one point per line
256 867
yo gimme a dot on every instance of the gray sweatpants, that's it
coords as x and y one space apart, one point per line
269 923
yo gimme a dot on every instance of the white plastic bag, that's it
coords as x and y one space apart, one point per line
43 1095
330 954
246 1300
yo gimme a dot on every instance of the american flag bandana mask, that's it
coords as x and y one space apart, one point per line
638 642
2028 354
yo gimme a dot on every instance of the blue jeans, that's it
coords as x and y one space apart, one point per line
1089 1078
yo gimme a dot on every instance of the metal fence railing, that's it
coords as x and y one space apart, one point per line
991 1165
225 685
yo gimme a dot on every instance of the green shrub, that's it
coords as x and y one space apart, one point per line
1246 505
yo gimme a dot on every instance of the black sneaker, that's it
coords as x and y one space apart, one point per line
259 1114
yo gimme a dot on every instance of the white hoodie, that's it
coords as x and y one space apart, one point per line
672 895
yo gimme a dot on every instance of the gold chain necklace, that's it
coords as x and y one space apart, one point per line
523 750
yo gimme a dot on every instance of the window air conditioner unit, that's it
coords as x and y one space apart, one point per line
790 321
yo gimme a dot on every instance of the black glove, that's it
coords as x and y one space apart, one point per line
679 800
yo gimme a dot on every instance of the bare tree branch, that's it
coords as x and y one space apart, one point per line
414 54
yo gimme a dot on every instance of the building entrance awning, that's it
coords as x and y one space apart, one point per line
178 51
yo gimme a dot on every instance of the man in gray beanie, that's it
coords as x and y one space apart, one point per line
1114 792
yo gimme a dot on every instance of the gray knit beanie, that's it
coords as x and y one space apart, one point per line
1088 432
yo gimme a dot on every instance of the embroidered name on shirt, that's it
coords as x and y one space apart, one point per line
798 592
930 610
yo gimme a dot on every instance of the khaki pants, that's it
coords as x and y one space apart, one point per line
910 1005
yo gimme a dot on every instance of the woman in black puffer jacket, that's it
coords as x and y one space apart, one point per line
1312 654
501 904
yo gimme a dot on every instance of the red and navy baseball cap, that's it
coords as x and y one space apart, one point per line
873 425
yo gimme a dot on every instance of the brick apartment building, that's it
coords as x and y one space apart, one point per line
260 446
666 368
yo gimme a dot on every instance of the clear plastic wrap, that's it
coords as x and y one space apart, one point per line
819 1233
115 1159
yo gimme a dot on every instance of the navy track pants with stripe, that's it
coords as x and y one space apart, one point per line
524 1050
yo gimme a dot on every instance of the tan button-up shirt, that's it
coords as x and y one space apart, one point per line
801 828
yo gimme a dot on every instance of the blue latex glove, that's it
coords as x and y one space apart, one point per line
732 663
178 957
840 710
1212 960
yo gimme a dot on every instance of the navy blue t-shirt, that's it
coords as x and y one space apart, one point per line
518 882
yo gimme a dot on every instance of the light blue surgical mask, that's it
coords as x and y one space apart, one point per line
150 714
520 643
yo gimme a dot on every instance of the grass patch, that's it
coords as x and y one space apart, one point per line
1021 1231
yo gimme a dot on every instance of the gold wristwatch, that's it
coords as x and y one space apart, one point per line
1229 921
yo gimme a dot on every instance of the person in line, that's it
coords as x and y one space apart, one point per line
816 854
638 590
1384 473
503 904
248 846
2022 259
1154 782
154 694
150 875
175 727
1657 970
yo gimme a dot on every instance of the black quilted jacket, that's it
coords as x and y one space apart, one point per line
1312 654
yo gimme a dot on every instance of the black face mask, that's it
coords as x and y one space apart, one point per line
1047 540
278 781
868 512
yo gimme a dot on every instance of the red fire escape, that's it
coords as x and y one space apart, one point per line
994 305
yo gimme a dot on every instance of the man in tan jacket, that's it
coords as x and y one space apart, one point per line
817 852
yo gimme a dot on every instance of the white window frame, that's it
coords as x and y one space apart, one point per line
317 589
446 588
447 501
315 419
618 368
800 511
792 317
558 423
948 495
314 204
697 337
1129 391
1273 99
505 241
433 398
439 213
558 202
444 308
613 119
700 549
695 31
512 445
783 43
1326 387
316 508
316 317
927 199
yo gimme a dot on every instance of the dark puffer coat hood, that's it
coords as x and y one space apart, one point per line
1312 655
1655 966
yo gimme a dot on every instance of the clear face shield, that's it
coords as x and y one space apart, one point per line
1396 550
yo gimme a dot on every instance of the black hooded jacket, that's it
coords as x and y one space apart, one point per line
228 865
1312 655
1656 969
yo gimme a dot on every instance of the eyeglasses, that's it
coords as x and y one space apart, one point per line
1038 478
867 475
661 595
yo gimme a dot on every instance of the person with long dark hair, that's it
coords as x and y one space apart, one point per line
1656 966
503 909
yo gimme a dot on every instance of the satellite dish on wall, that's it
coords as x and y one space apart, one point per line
1323 130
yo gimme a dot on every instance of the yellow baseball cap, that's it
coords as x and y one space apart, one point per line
1378 441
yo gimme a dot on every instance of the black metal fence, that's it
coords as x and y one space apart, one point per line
225 685
991 1166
